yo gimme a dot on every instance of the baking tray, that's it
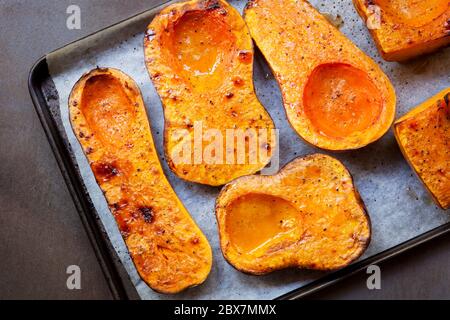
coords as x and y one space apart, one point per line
45 97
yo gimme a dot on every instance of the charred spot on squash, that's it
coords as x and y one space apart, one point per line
215 5
340 99
245 56
447 100
105 171
119 205
413 125
229 95
147 213
238 81
255 220
212 4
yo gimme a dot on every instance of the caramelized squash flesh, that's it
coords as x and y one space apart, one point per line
424 138
309 215
113 122
335 96
199 55
340 100
415 13
256 219
200 47
108 117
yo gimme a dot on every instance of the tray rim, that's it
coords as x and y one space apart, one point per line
91 223
99 239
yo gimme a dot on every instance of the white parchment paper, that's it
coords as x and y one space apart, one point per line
398 204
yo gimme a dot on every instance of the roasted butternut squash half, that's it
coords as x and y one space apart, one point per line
404 29
199 55
309 215
335 96
424 138
109 119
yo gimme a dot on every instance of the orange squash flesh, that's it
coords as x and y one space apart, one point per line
355 108
309 215
335 96
407 28
254 219
108 117
199 55
424 138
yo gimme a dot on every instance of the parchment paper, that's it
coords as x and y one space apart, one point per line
398 204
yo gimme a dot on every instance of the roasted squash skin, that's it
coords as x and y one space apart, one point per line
199 55
408 28
423 135
108 117
309 216
336 97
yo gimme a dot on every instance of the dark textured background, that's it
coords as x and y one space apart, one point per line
40 232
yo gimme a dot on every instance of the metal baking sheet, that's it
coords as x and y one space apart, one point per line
399 206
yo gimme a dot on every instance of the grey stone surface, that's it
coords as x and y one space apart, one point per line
40 231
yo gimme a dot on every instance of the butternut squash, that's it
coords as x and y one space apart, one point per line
309 215
108 117
423 135
336 97
404 29
199 56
